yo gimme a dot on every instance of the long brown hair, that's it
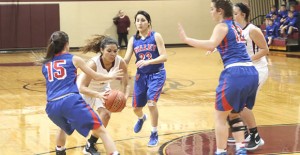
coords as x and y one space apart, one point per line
98 42
56 44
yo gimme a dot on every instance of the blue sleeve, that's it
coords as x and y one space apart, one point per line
293 22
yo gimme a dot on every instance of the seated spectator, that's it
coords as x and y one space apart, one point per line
273 10
289 25
271 31
295 12
283 13
276 20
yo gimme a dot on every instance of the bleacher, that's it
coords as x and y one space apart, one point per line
286 43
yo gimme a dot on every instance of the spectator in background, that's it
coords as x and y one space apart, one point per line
289 25
282 13
295 12
273 11
271 31
122 22
276 20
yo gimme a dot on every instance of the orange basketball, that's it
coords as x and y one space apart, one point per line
115 101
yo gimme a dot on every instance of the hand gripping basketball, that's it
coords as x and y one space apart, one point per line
115 101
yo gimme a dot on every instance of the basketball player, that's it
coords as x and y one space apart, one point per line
65 106
257 49
238 81
150 77
105 62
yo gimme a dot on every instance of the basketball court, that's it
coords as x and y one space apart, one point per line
186 108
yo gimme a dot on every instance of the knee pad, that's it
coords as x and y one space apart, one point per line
236 128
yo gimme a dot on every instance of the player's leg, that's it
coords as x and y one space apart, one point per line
139 100
221 131
248 116
155 82
61 142
104 115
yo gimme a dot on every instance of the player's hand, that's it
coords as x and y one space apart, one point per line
103 96
142 63
210 52
116 73
182 33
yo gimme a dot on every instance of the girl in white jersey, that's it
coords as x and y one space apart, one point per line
105 62
257 49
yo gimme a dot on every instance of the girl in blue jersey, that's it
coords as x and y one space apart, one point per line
65 106
150 77
238 81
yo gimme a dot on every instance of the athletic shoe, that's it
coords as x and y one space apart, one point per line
60 152
153 139
255 142
223 153
232 140
139 124
241 151
90 149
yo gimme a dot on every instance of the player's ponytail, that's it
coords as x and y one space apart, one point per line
56 44
97 43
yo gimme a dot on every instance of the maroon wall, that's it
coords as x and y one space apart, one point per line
27 26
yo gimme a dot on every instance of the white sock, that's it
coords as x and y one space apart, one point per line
60 148
142 116
154 129
239 145
115 153
220 151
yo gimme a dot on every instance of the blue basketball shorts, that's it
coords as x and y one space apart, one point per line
72 113
237 88
147 87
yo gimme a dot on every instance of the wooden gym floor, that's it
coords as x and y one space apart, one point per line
185 108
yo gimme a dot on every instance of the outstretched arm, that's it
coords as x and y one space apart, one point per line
79 63
217 36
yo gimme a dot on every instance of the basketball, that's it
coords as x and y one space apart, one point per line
115 101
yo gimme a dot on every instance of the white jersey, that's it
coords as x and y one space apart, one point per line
252 48
100 86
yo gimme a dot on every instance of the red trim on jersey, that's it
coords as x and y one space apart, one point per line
158 92
225 104
134 100
224 44
97 124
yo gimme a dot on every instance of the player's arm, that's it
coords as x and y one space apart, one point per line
83 81
79 63
217 36
258 38
129 50
125 79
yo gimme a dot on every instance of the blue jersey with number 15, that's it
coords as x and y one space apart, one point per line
60 74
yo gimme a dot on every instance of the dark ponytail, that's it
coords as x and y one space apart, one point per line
244 9
56 44
97 43
147 16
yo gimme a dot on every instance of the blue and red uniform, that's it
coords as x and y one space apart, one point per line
149 80
65 106
239 80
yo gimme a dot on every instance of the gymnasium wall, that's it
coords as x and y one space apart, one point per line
81 19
